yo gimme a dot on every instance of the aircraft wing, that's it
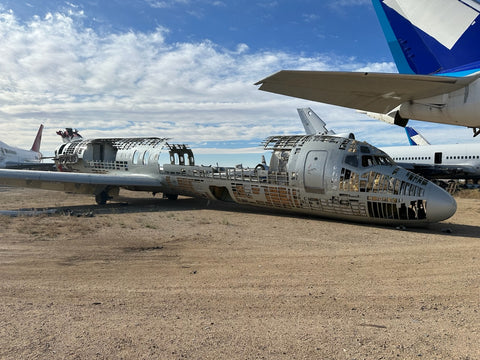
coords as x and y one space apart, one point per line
374 92
73 182
32 166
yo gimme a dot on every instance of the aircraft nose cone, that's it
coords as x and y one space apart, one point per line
440 204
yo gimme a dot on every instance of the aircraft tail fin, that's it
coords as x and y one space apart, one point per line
312 123
427 37
38 140
415 138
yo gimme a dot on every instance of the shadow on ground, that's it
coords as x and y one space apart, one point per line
123 205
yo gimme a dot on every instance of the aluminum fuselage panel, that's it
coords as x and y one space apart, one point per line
313 174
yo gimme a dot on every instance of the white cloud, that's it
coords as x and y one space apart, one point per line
350 3
57 72
159 4
341 6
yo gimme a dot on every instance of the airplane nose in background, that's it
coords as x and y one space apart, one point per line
440 204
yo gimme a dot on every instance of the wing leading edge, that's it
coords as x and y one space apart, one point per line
375 92
74 182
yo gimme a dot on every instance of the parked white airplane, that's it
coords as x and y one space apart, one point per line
322 175
450 161
13 157
435 47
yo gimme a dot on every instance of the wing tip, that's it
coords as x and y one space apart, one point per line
260 82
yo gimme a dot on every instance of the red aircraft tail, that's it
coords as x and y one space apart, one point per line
38 140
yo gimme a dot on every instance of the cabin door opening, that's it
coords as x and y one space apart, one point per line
438 158
314 172
98 152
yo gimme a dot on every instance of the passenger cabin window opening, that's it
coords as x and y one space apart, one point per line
146 155
178 154
136 156
163 158
176 158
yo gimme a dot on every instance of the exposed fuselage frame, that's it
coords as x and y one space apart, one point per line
314 174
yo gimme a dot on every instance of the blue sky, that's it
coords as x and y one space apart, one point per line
184 69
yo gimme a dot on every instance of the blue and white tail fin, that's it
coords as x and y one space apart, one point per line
415 138
432 37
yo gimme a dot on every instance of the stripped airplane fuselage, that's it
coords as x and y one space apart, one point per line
313 174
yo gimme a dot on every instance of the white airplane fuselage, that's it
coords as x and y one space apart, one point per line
10 156
460 107
314 174
452 161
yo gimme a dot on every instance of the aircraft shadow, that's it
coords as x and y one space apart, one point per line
123 205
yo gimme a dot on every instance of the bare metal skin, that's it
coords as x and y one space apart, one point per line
322 175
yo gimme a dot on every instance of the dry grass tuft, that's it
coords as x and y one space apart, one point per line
467 194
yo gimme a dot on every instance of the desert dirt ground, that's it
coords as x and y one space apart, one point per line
148 278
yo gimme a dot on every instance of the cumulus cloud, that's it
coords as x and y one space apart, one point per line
58 72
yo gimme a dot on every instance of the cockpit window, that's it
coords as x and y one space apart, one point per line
365 149
384 160
351 160
369 160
